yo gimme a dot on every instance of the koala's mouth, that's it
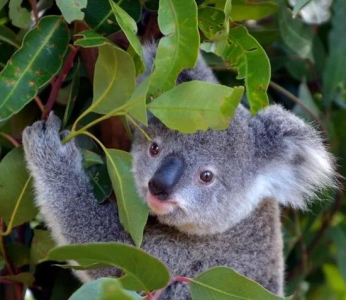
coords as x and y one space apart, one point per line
160 207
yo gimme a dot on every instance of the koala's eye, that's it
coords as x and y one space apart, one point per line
206 176
154 149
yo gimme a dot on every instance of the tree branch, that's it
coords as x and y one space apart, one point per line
57 82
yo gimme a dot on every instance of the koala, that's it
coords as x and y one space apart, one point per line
214 196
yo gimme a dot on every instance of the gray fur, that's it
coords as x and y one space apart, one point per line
233 221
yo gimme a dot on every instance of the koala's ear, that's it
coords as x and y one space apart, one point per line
293 162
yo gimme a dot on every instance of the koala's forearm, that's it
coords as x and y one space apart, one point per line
72 212
63 191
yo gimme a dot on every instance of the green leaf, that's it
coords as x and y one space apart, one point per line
73 93
133 212
6 51
18 254
15 190
226 284
338 236
104 289
265 37
3 3
91 39
246 54
114 79
137 103
335 280
305 96
99 14
197 105
9 37
33 65
298 6
246 10
20 16
129 27
143 272
40 245
25 278
212 22
334 75
102 185
90 158
71 10
295 33
178 50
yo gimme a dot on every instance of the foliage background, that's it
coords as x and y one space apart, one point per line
308 76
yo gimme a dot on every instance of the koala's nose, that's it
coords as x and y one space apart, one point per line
166 177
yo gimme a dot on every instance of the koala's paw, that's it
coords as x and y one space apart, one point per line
42 145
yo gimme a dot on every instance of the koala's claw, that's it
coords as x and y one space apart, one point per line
42 143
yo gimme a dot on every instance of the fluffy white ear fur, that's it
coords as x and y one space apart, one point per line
295 184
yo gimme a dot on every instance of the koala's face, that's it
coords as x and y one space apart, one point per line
194 182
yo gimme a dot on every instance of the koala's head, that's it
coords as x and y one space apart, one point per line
195 182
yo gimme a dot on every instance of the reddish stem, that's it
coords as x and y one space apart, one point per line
33 4
39 103
57 82
157 294
10 139
182 279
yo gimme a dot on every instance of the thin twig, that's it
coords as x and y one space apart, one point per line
158 293
57 82
10 139
39 104
33 4
296 100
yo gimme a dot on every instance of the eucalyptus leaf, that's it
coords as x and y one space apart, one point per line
114 79
19 15
91 38
137 103
299 4
6 51
40 245
3 3
100 17
72 10
25 278
73 92
306 97
212 22
247 10
33 65
18 254
129 27
178 50
143 272
224 283
133 212
197 105
104 289
297 35
15 190
9 37
334 280
102 185
338 236
91 158
334 74
245 54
